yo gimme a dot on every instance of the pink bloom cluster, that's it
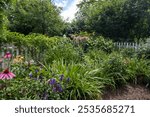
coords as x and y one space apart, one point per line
7 55
6 74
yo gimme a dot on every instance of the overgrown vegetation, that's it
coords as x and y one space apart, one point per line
59 67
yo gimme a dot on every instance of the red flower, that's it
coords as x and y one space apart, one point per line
7 55
6 74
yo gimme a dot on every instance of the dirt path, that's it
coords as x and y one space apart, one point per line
128 92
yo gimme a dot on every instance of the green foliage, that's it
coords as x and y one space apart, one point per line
94 59
85 74
82 86
37 45
115 69
121 20
14 37
20 70
3 20
139 71
35 86
32 40
63 50
36 16
22 89
144 52
101 43
128 52
109 69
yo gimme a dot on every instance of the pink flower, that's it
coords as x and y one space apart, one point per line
6 74
7 55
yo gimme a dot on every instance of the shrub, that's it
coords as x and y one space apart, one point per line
34 45
94 58
144 52
101 43
128 52
64 50
111 71
22 88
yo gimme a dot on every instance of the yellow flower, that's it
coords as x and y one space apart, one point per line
18 59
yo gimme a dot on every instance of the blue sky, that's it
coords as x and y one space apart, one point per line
69 8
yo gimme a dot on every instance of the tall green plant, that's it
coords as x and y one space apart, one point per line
82 86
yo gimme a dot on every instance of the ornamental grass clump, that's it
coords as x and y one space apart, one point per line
80 85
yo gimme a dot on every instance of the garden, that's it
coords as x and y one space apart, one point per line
81 65
59 68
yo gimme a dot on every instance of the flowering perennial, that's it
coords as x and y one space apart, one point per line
6 74
7 55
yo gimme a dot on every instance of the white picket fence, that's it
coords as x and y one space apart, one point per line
132 45
27 53
31 53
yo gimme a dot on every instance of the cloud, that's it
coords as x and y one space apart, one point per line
69 13
61 3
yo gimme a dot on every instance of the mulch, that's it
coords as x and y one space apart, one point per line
128 92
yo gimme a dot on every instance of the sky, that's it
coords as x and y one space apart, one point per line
69 8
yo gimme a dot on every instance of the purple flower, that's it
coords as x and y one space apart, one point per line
54 89
52 81
36 70
61 77
40 77
30 75
59 88
45 96
68 80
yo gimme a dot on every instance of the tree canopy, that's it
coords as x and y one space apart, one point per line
36 16
3 6
124 20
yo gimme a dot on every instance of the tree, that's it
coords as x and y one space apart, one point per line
121 20
137 15
3 6
37 16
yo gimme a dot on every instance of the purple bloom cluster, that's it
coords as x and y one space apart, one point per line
61 77
68 80
57 86
30 75
52 81
36 75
